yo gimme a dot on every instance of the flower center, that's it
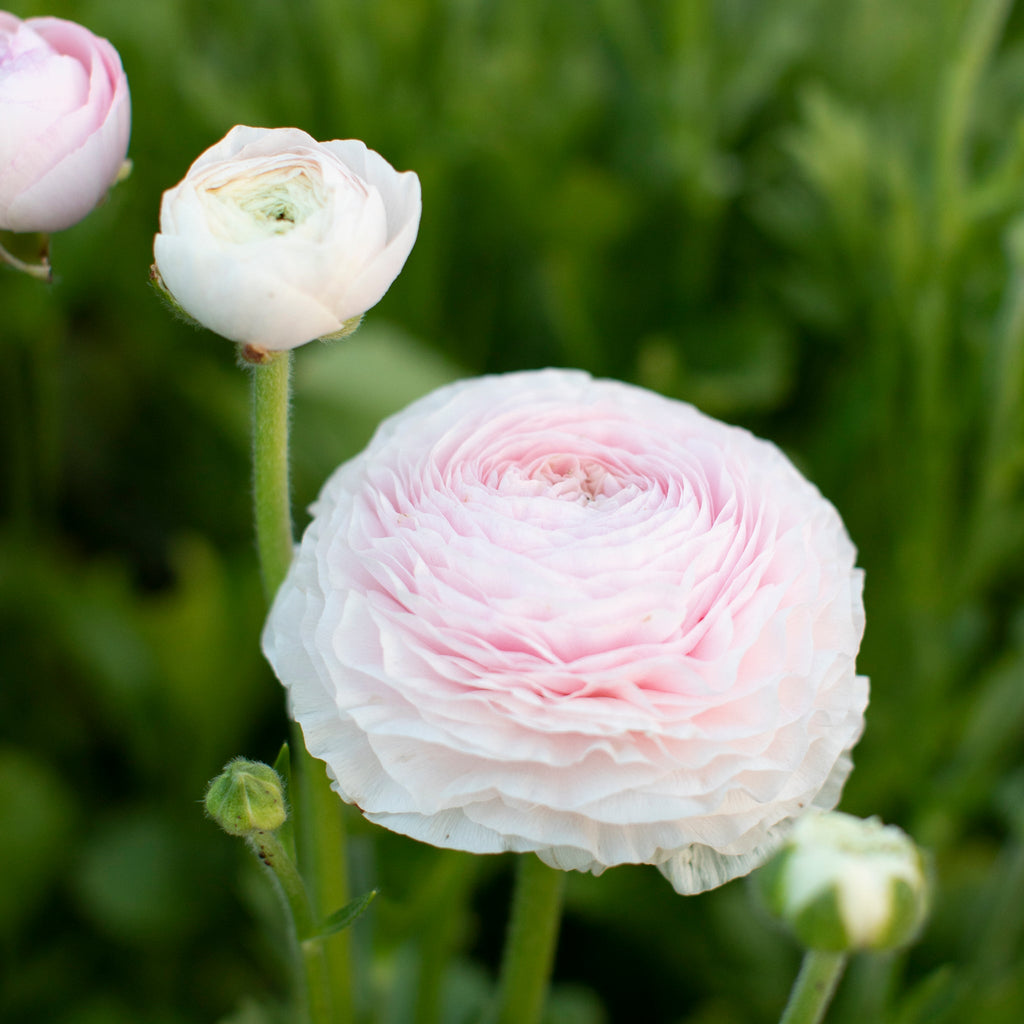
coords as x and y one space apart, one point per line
267 203
566 477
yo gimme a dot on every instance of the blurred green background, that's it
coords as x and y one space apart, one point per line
804 216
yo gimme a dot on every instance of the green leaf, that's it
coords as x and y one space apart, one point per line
283 764
283 767
933 999
347 915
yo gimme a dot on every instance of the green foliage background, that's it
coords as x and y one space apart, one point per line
803 216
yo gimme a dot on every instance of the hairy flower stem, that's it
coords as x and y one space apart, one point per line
320 830
271 387
530 946
314 963
814 987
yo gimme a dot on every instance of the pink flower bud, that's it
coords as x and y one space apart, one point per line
65 117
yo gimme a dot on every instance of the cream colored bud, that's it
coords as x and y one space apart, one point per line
845 884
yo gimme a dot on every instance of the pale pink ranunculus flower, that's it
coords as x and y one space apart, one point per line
65 118
273 239
542 612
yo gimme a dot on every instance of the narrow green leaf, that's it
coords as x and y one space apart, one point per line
935 999
347 915
283 767
283 764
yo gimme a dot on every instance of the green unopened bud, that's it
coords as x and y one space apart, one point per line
246 797
845 884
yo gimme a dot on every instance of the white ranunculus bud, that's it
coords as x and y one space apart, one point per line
845 884
273 239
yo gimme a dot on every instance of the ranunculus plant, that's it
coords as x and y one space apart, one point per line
273 239
542 612
65 117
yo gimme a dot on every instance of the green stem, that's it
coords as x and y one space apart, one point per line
271 383
320 833
530 946
438 920
814 987
315 970
331 874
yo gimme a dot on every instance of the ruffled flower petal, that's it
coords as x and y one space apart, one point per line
542 612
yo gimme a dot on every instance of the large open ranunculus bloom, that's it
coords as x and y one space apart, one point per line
542 612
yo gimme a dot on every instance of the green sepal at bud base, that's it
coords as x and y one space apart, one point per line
246 798
817 924
28 253
844 884
169 300
258 356
350 326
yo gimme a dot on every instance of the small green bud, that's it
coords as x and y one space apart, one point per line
845 884
246 797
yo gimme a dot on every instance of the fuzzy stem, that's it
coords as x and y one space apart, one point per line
314 963
320 830
331 874
814 987
271 383
530 946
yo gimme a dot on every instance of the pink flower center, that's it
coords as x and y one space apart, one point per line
572 479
